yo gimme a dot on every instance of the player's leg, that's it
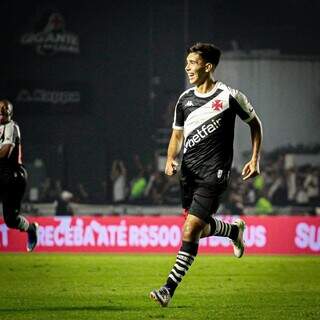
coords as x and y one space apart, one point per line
234 231
11 203
209 196
219 228
192 229
196 221
10 197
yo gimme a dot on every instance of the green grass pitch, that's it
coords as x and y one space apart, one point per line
105 286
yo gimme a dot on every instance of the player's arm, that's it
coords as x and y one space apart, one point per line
7 144
5 150
243 108
176 140
174 148
252 169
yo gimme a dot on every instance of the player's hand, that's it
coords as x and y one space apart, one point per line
250 170
171 167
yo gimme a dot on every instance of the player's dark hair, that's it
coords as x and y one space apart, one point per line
208 52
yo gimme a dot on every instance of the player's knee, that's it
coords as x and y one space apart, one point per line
192 230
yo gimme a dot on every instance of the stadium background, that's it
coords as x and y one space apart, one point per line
94 82
127 67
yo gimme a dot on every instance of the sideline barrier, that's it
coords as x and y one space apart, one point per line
149 234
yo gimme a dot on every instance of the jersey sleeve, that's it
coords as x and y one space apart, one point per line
178 121
10 133
241 106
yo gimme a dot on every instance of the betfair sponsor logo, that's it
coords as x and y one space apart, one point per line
202 133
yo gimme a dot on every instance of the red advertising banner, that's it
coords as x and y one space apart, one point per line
146 234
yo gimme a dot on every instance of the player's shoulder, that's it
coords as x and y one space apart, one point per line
224 87
237 94
186 94
14 127
13 124
9 125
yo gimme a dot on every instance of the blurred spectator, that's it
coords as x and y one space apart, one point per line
259 183
291 178
50 190
153 190
234 203
250 194
45 188
277 192
63 207
171 190
263 205
302 197
118 177
311 185
138 186
36 176
81 194
106 190
137 165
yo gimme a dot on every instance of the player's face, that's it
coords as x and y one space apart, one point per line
4 115
196 68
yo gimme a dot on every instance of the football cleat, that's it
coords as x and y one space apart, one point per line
32 236
162 296
238 244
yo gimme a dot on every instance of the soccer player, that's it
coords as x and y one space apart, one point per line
13 176
204 120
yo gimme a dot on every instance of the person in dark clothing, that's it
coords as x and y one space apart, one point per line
13 176
203 126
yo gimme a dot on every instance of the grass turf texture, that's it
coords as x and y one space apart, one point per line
61 286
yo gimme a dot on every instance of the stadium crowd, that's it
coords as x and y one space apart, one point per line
281 184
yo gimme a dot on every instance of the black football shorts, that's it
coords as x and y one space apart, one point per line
201 194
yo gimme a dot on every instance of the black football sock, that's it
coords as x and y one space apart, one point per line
223 229
23 223
185 257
